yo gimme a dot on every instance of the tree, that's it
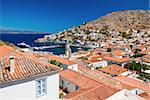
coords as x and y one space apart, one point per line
138 31
61 95
135 66
108 49
124 34
87 32
54 62
131 46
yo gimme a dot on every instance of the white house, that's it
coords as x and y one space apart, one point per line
97 64
125 95
66 63
22 78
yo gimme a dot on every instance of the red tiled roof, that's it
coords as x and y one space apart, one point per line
59 59
103 78
134 83
82 52
78 79
145 52
24 67
4 50
116 59
89 89
92 60
113 69
118 53
119 82
145 95
97 93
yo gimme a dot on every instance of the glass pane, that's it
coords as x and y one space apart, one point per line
43 81
43 86
43 90
39 92
39 82
39 87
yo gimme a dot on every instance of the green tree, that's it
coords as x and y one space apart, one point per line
87 32
135 66
108 49
61 95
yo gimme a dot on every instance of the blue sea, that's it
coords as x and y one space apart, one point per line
30 38
18 38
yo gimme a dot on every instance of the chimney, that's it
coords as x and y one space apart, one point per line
2 69
12 63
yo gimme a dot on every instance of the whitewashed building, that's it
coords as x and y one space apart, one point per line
22 78
125 95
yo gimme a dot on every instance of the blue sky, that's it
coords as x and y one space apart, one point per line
57 15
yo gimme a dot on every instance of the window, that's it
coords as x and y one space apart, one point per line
41 87
77 87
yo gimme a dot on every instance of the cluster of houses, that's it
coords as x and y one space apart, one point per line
97 74
101 73
98 37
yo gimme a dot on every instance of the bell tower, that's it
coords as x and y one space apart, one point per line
68 51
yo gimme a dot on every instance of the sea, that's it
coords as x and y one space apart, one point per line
30 40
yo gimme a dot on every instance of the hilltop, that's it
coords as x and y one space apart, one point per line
122 20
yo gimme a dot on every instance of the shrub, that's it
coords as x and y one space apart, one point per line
61 95
108 49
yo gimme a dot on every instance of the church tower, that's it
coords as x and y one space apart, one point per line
68 51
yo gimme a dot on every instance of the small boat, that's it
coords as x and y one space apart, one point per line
45 47
79 48
23 45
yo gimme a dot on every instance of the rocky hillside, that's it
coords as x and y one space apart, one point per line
122 20
116 24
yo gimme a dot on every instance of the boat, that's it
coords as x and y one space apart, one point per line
45 47
23 45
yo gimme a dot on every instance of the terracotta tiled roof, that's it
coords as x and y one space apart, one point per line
118 53
113 69
146 58
57 58
116 82
97 93
82 52
4 50
103 78
145 52
134 83
24 67
142 47
145 95
92 60
78 79
89 89
116 59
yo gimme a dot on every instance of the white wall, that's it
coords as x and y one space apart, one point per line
73 67
98 64
67 84
27 91
146 63
123 64
124 95
136 91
